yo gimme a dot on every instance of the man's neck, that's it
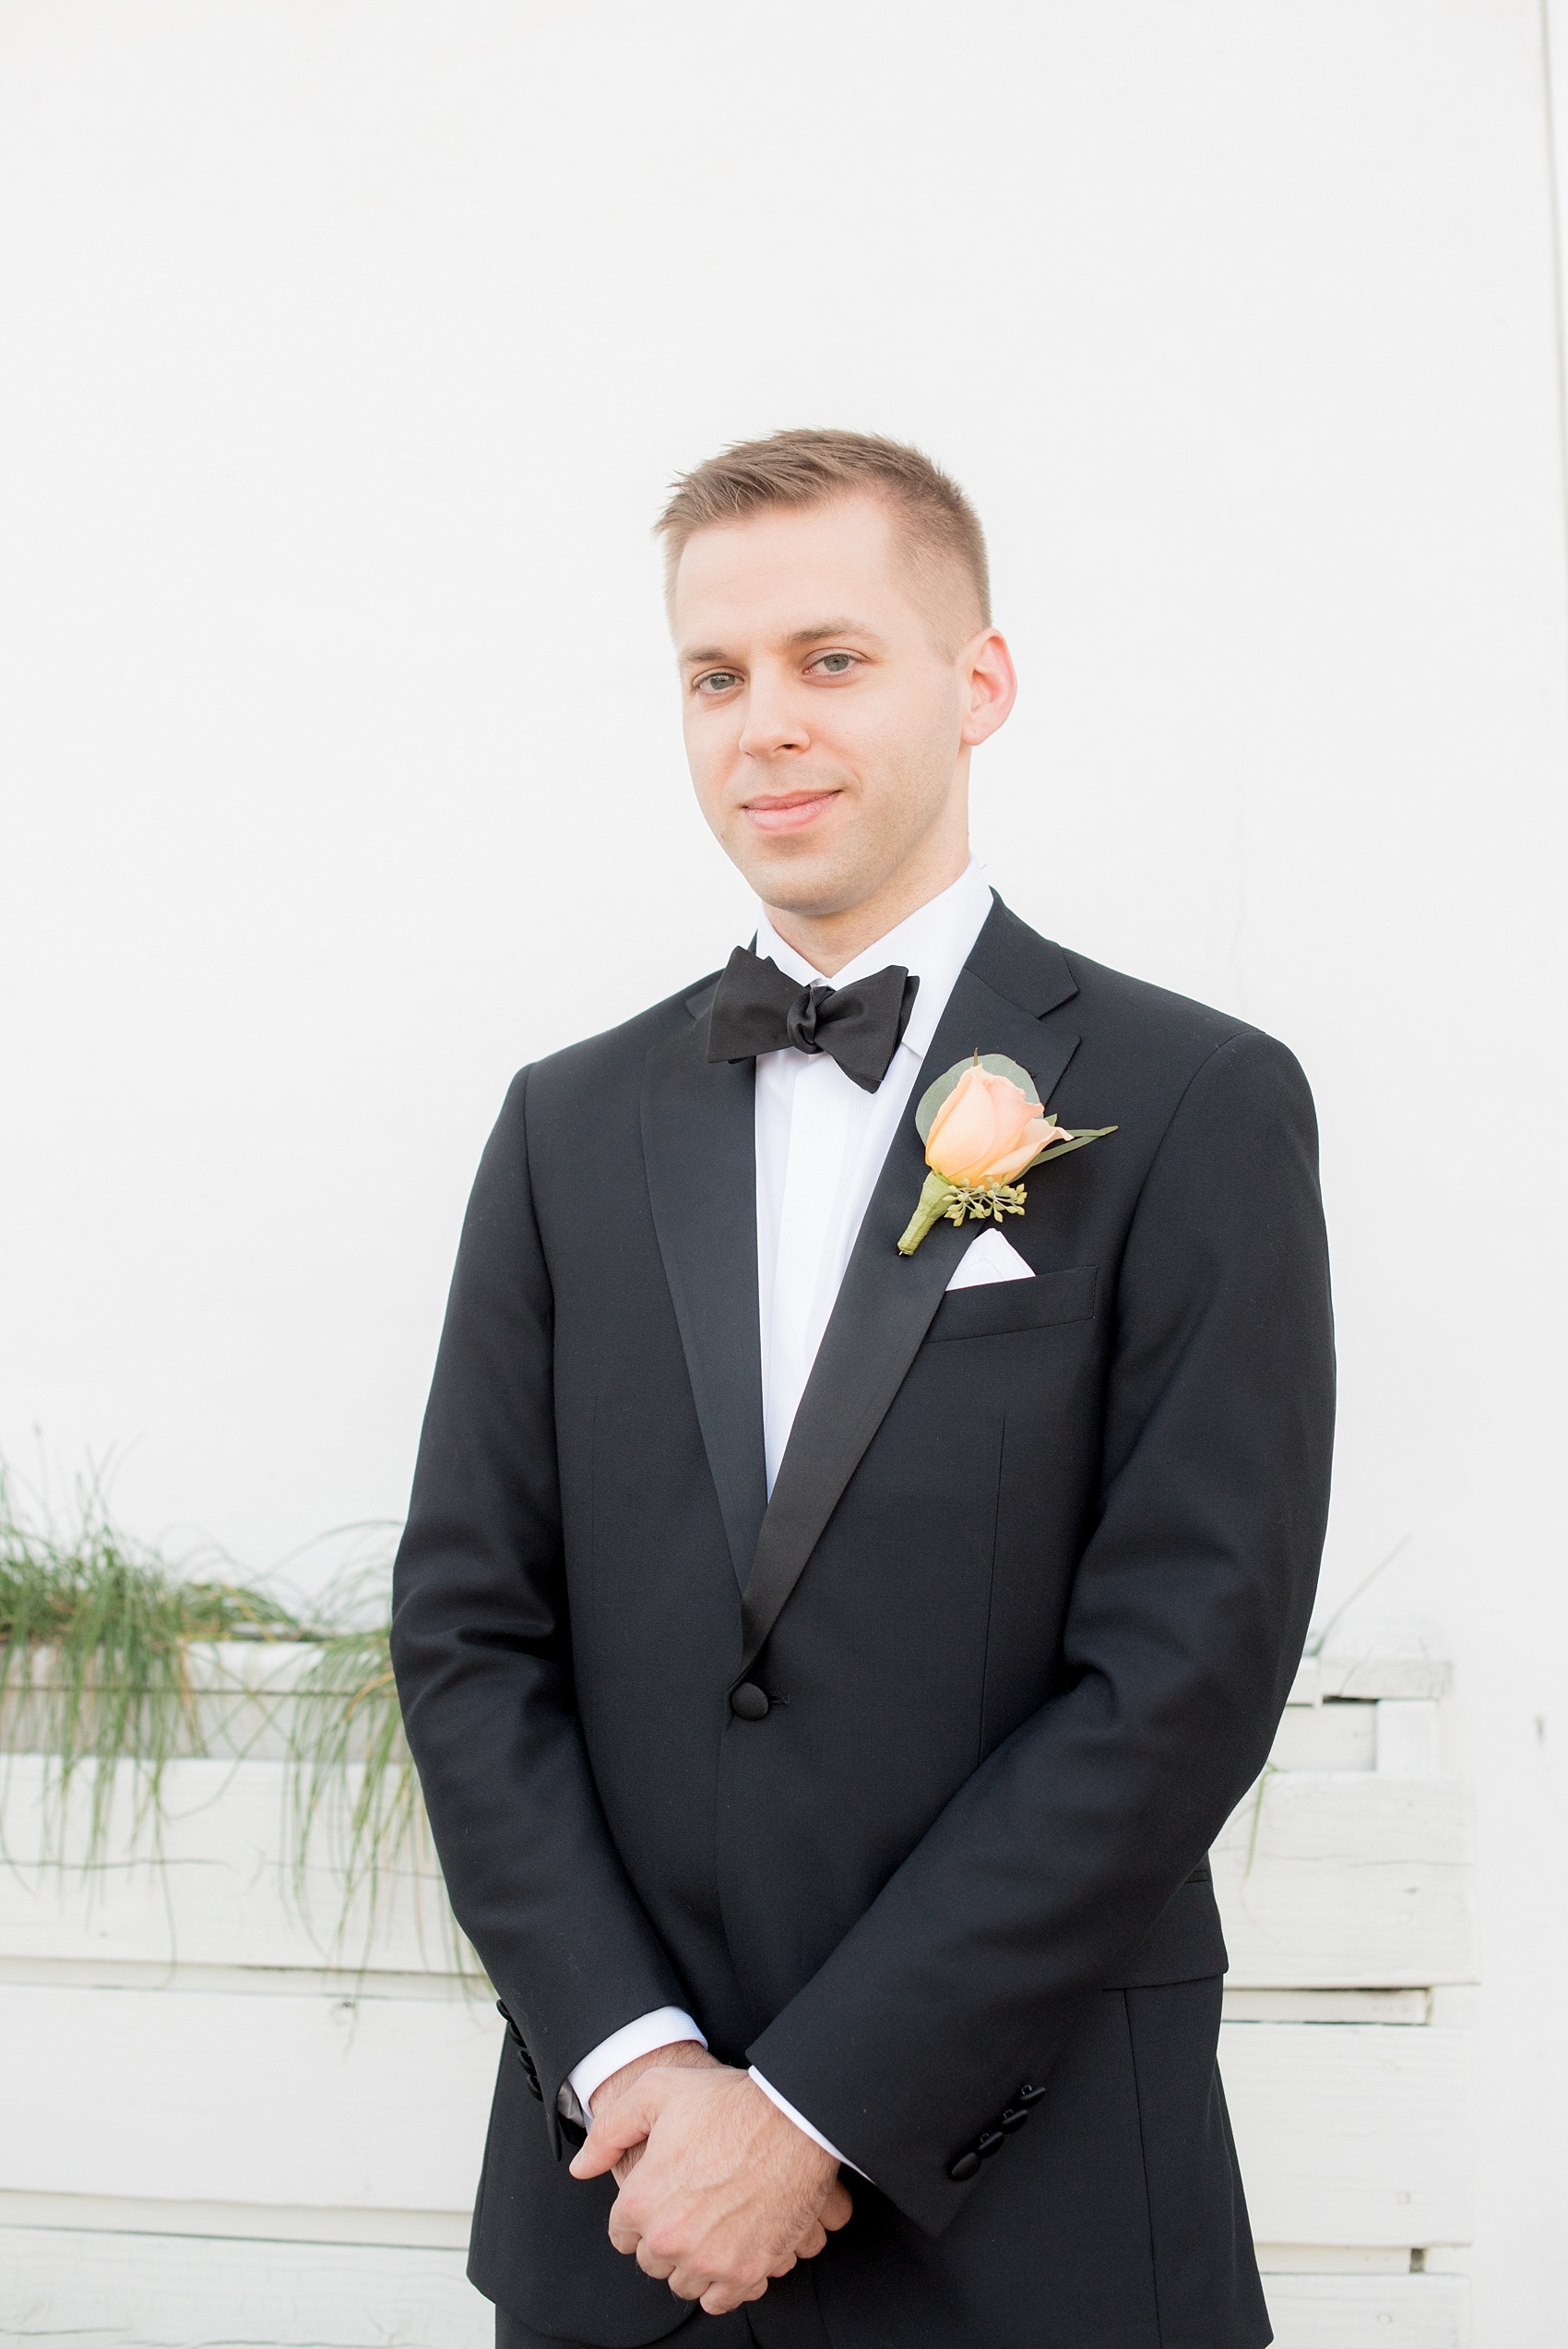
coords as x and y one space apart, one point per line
828 941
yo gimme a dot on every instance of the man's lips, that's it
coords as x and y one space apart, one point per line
790 812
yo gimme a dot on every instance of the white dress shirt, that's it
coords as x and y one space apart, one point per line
821 1141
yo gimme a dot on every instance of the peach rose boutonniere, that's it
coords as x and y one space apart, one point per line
983 1127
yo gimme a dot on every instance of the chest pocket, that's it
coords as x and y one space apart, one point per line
997 1307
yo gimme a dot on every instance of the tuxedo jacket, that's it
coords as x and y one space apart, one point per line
1026 1602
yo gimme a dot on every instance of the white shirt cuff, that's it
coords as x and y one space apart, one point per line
802 2123
660 2029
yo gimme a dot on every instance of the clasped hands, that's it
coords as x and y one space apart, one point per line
720 2193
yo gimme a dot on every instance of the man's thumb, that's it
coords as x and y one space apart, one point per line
612 2133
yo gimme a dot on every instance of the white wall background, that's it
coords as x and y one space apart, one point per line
349 349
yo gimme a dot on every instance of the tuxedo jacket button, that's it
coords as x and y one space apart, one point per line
964 2168
1014 2117
748 1702
1028 2095
990 2142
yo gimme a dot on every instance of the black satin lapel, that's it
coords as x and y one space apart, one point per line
699 1145
884 1309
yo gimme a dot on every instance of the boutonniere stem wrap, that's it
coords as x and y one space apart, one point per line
982 1128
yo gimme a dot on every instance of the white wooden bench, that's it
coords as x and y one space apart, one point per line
222 2125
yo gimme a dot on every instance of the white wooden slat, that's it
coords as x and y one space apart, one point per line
1413 2006
1407 1737
223 1891
1326 1737
1353 1878
1333 2259
1351 2133
242 1700
1402 1669
1350 1878
257 2100
268 2222
108 2291
1367 2312
1412 1672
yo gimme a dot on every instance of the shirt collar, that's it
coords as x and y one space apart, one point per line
934 942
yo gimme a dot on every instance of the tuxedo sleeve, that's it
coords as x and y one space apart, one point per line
481 1650
1042 1876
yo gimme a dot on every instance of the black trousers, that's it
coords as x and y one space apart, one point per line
711 2332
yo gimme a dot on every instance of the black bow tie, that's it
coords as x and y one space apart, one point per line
757 1009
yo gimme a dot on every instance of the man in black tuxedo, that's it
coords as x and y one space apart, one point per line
828 1666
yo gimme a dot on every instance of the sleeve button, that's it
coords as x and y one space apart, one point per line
964 2167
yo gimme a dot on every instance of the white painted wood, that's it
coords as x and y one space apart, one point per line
1364 2312
247 1981
242 1698
1407 1737
217 1887
271 2221
171 1997
1408 2007
1392 1665
1392 1671
1350 1878
214 2098
1331 1736
1353 1878
1356 2133
108 2291
1333 2259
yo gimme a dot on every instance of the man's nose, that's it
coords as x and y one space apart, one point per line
774 723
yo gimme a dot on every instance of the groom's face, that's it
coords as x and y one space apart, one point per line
825 688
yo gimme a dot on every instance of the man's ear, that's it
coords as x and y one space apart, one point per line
990 685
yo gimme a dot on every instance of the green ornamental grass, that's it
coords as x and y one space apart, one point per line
96 1634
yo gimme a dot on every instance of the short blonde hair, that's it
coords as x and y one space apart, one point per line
940 527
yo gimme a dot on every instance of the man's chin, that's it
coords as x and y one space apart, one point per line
812 890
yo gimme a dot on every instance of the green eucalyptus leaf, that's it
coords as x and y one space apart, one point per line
1082 1136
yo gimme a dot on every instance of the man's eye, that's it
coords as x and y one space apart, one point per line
836 664
717 680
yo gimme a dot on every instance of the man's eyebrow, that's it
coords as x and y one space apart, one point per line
695 656
840 628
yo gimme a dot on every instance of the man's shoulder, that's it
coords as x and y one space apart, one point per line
1136 1008
615 1057
1173 1035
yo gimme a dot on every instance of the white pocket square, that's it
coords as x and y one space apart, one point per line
989 1257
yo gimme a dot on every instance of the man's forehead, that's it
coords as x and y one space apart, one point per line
787 576
791 576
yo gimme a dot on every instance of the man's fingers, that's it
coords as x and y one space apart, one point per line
719 2299
623 2123
838 2208
810 2243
